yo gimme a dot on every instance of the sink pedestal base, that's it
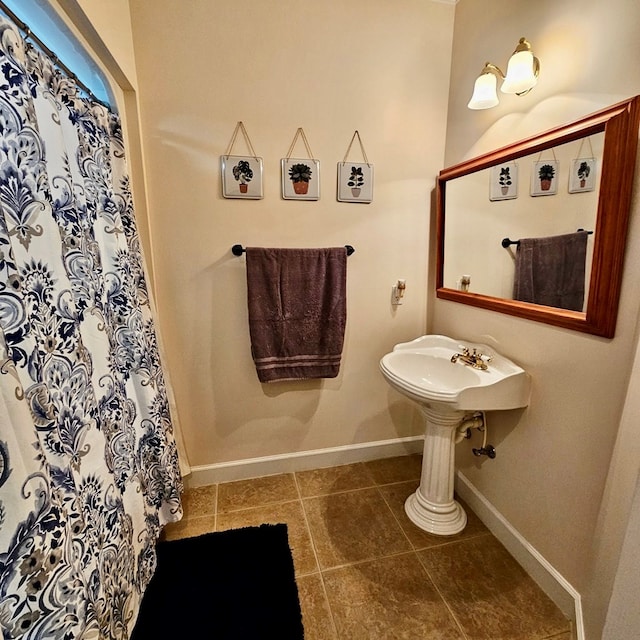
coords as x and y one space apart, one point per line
432 507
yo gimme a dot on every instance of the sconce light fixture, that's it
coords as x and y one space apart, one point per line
522 75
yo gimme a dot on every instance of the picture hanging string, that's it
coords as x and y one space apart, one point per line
588 139
553 153
300 133
240 127
364 153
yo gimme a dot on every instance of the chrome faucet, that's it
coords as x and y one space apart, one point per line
473 358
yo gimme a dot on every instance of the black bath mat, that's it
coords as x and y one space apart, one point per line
230 585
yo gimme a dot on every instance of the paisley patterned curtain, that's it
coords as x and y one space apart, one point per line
88 463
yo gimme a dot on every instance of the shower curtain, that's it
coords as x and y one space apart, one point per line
88 463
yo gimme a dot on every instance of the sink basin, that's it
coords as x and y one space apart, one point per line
423 371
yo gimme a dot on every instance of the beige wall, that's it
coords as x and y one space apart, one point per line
331 68
564 474
619 517
107 26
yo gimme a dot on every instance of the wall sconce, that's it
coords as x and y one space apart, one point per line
522 75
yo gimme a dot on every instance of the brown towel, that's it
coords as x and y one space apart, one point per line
297 311
550 271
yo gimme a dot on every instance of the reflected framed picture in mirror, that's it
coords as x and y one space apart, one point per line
582 176
544 178
504 181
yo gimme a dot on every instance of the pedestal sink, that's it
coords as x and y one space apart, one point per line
431 371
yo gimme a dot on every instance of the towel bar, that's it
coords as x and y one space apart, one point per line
506 242
238 249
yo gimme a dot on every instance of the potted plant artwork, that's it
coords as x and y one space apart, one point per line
243 173
300 174
505 180
356 180
583 173
546 173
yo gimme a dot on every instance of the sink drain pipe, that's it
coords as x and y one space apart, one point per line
477 421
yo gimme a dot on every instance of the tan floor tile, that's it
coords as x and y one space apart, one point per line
395 496
200 501
316 616
489 593
289 513
356 517
245 494
189 528
388 598
324 481
388 470
353 526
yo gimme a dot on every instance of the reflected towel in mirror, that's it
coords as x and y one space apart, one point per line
551 270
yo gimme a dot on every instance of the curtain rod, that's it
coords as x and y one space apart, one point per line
28 34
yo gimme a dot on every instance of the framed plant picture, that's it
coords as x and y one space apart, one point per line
241 177
583 175
355 182
544 178
504 181
300 179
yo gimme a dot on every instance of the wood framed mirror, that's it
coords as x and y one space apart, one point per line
478 227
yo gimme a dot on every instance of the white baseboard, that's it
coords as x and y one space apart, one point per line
301 461
541 571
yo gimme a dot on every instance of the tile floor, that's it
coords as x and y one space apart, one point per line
365 572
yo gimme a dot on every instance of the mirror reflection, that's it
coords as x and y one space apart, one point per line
523 205
534 205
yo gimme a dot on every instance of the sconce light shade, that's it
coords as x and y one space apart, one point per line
484 92
521 74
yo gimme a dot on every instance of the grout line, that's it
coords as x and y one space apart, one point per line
168 532
393 515
417 555
444 600
375 485
215 507
315 554
448 543
357 563
262 505
339 492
